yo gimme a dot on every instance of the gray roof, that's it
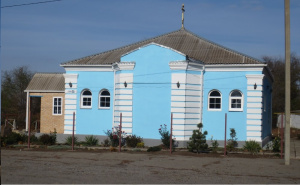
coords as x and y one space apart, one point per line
48 82
181 40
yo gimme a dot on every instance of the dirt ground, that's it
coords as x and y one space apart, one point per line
104 167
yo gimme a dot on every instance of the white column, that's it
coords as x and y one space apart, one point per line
27 110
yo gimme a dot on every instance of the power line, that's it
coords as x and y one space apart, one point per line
10 6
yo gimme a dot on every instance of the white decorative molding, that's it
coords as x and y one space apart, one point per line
88 68
254 122
180 65
126 65
258 134
235 67
153 43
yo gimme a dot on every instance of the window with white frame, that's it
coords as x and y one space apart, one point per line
57 106
236 101
104 99
214 100
86 99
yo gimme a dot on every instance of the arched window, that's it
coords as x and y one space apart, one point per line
236 101
104 99
86 99
214 100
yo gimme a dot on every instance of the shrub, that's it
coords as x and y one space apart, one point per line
198 140
252 146
140 145
133 140
33 139
47 139
232 142
12 138
214 144
114 136
91 140
68 140
106 143
165 136
154 149
276 144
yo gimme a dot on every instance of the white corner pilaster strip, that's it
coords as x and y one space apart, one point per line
70 102
254 106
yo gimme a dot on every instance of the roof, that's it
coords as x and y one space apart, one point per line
184 41
49 82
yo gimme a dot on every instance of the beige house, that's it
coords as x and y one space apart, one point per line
50 87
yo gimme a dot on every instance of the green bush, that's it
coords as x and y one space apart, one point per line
154 149
133 140
276 144
140 145
198 140
165 136
232 142
214 145
33 139
12 138
68 140
91 140
47 139
252 146
106 143
114 137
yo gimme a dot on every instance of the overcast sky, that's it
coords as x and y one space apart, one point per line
42 36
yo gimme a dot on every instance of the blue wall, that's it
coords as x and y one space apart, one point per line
94 120
214 121
151 88
267 109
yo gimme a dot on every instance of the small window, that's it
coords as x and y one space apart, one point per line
86 99
214 100
104 99
57 106
236 101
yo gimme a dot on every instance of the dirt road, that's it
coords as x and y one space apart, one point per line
129 168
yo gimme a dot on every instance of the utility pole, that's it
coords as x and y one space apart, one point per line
287 81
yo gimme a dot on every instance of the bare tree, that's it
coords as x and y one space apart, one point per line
277 67
13 97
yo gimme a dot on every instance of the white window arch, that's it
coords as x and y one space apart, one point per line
214 100
104 99
236 101
86 99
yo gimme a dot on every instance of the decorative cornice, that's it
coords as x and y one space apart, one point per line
178 65
124 66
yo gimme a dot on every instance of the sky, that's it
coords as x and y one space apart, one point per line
42 36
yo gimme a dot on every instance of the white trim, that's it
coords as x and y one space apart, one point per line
105 96
27 109
237 67
208 98
87 67
126 65
61 106
86 96
237 98
253 128
258 134
152 43
254 122
180 65
70 107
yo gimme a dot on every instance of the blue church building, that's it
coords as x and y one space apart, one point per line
196 80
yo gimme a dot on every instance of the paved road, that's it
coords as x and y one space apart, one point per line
105 167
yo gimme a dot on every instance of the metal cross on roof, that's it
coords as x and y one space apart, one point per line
182 19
